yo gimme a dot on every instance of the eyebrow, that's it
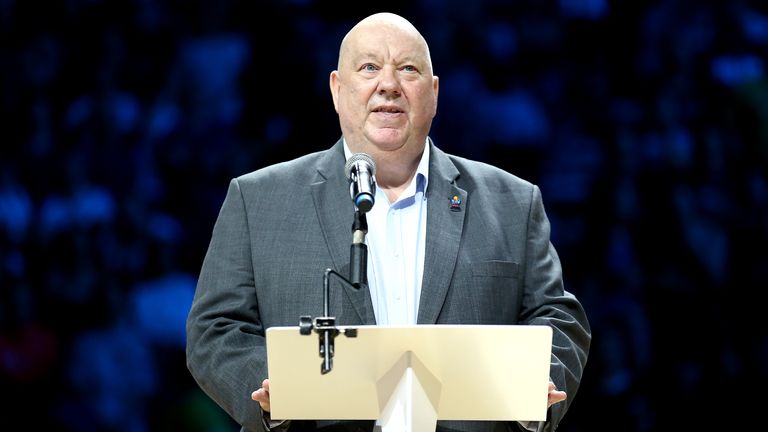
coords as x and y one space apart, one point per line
370 55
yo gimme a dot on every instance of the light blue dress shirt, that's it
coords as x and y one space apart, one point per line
396 245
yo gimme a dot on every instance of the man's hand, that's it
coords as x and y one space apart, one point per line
554 396
262 395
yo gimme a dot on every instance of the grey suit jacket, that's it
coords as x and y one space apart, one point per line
280 227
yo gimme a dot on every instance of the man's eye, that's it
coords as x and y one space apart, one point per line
368 67
409 68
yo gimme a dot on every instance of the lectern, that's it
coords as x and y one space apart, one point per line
408 377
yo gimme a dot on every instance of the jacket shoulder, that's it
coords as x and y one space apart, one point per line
297 170
480 175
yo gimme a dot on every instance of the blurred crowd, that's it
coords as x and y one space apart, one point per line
644 123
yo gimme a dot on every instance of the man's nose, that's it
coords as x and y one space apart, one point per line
389 81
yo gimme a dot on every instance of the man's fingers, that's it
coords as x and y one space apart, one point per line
258 395
262 396
555 396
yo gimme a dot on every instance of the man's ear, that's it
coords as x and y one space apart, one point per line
333 82
436 89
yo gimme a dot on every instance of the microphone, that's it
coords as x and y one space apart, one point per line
360 170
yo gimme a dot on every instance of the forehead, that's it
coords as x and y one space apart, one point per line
384 40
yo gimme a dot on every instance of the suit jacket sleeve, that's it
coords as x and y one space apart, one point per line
546 302
226 351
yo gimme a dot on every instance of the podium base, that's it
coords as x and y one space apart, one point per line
409 395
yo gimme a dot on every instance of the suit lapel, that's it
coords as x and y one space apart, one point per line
335 213
444 228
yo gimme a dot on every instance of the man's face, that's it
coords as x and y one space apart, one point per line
384 91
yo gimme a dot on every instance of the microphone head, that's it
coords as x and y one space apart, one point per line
360 170
359 157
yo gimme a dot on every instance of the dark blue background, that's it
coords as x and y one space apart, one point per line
644 123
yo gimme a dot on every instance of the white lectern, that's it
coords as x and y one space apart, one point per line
409 377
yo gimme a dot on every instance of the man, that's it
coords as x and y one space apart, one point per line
451 241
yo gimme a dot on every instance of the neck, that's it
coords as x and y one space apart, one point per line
394 174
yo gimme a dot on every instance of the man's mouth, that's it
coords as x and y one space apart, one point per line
388 109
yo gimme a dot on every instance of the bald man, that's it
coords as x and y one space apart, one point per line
451 241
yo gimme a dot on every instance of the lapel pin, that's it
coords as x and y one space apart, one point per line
455 203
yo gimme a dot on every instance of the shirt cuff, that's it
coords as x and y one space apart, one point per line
531 426
270 424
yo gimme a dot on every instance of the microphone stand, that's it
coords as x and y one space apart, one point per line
325 326
358 252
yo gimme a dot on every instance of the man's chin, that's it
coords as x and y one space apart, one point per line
387 139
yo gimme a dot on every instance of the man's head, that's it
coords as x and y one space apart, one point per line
384 90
